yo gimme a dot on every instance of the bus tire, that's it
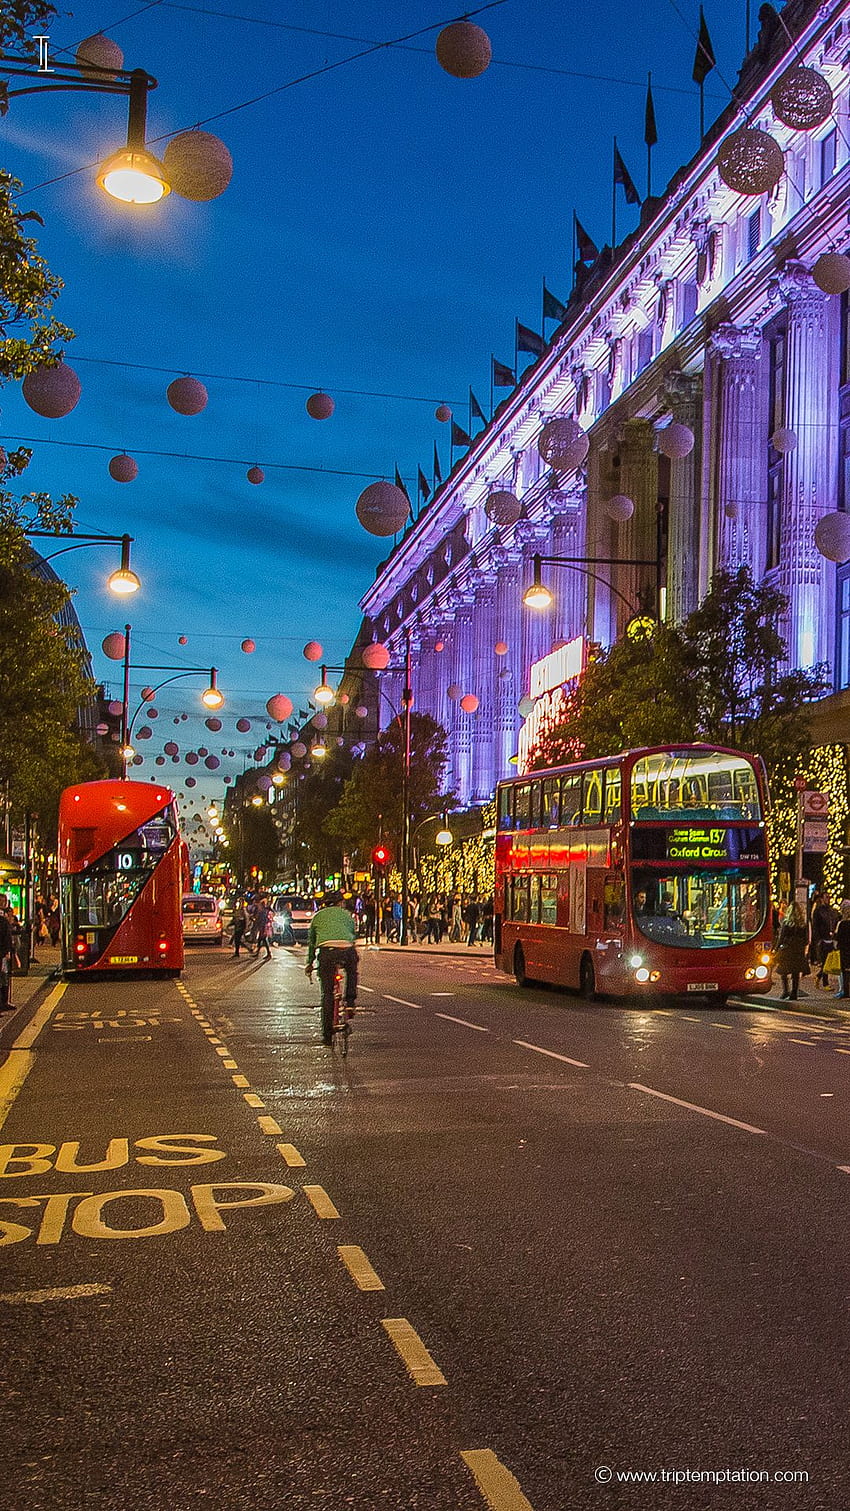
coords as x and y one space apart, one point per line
519 967
587 979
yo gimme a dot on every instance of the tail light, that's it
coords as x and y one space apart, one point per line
162 946
80 946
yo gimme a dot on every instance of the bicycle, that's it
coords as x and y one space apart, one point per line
340 1024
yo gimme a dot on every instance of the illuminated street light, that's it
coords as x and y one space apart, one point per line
134 176
319 750
444 836
257 801
211 697
538 595
124 581
323 694
127 752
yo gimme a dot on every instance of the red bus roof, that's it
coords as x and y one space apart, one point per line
684 747
96 816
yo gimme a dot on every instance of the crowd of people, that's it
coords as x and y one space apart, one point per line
460 918
818 944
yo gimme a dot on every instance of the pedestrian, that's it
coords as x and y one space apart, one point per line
470 918
54 921
823 924
7 955
456 919
369 914
239 923
791 950
287 932
433 921
487 921
842 943
396 905
264 926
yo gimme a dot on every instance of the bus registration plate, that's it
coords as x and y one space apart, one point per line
123 960
702 986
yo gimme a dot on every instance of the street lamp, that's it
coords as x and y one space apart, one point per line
211 697
539 597
123 581
324 695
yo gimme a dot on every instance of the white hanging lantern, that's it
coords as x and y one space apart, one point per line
99 52
463 50
503 507
802 99
563 444
319 721
320 406
52 391
750 161
831 273
197 165
832 536
676 441
382 508
620 507
187 395
784 440
123 468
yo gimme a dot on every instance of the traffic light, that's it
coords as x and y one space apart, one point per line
381 857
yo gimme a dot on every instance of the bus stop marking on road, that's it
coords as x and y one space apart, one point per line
412 1351
319 1200
359 1268
56 1293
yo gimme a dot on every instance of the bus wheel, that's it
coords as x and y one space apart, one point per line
587 980
519 967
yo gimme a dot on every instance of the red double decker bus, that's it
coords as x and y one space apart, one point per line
642 875
123 870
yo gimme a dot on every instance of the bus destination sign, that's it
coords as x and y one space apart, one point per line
696 844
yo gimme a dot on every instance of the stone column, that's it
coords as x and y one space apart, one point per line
809 471
636 538
568 514
684 396
483 684
537 624
736 470
459 726
599 543
507 618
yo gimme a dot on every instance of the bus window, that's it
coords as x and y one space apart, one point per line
614 903
591 808
551 803
549 898
534 899
571 798
534 800
519 899
612 794
506 808
694 785
521 805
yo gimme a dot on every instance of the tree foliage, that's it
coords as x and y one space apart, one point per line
371 800
319 792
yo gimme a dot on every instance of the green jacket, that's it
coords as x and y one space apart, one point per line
329 926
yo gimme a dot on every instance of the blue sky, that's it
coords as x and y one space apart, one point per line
384 226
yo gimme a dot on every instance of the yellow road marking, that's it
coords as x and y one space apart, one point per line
252 1099
842 1051
412 1351
12 1076
229 1064
290 1155
269 1125
498 1486
223 1051
358 1267
214 1039
240 1080
56 1293
28 1036
808 1043
323 1206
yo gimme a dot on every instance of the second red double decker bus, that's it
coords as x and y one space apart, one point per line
644 874
123 870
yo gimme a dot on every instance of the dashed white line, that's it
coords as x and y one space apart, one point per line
582 1065
463 1022
400 1000
706 1112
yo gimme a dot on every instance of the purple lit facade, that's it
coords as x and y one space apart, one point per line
707 316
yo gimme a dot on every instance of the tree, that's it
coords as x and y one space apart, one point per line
316 797
371 800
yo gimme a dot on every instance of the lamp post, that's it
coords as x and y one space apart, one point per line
539 597
211 697
123 582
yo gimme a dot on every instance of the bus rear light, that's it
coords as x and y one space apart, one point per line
80 946
635 961
162 946
655 975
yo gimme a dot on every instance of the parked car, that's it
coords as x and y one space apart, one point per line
201 917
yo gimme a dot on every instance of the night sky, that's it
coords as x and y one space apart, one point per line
384 225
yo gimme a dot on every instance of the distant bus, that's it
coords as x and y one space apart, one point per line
642 875
123 869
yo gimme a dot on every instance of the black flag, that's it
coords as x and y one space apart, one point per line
553 309
399 482
459 436
529 341
475 410
503 376
704 60
438 476
424 489
622 176
650 130
586 247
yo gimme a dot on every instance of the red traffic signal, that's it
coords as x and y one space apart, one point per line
381 856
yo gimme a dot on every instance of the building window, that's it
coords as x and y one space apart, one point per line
827 156
777 343
844 466
842 628
845 340
690 295
753 234
644 348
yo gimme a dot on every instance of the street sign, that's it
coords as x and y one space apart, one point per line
815 836
815 804
799 784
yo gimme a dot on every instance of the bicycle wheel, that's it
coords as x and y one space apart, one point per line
345 1031
327 1018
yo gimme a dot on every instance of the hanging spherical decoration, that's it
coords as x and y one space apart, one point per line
454 692
525 706
213 724
243 725
750 161
123 468
375 657
183 718
469 703
212 763
832 536
675 441
563 444
99 52
319 721
831 273
260 753
160 760
284 760
153 713
443 414
503 507
176 719
248 646
52 391
202 750
197 165
802 99
103 729
730 509
190 781
361 712
182 639
344 699
187 395
620 507
382 508
137 760
115 708
113 647
299 749
228 780
279 707
312 651
500 648
171 748
147 694
463 50
320 406
192 758
255 475
144 733
784 440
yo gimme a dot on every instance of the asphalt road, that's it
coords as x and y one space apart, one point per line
513 1249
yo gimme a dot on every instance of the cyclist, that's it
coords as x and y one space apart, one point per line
331 937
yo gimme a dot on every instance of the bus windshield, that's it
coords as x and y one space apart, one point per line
694 785
104 892
699 909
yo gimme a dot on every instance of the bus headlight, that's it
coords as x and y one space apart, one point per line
761 973
642 974
635 961
765 960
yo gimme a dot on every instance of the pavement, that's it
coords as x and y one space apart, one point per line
24 989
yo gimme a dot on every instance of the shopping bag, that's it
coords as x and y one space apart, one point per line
832 963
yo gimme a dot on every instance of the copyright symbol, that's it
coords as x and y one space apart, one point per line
603 1474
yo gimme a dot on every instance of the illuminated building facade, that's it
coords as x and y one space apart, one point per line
707 316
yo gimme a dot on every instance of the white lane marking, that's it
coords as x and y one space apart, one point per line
56 1293
706 1112
442 994
808 1043
844 1168
551 1053
463 1022
369 989
400 1001
842 1051
728 1026
691 1020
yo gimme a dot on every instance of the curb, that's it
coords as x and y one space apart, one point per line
19 1017
805 1009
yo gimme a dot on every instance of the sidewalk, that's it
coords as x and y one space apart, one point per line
24 988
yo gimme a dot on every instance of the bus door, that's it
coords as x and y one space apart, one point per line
578 888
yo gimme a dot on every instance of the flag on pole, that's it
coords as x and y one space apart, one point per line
622 176
424 486
438 476
400 483
475 410
650 130
459 436
586 247
529 341
553 308
503 376
704 60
